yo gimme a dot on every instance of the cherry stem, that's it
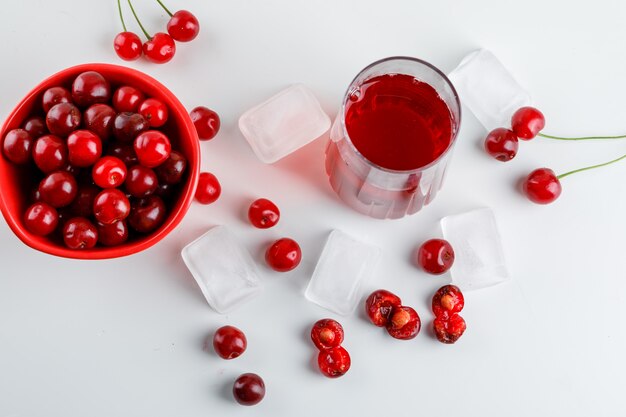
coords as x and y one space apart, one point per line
119 9
138 21
580 138
165 8
591 167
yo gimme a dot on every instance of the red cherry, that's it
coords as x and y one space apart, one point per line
35 126
90 87
63 119
80 233
110 206
209 188
283 255
41 219
183 26
84 148
172 170
112 234
17 146
403 323
249 389
140 181
206 122
435 256
127 126
542 186
58 189
263 213
127 46
127 99
154 111
147 214
160 49
55 95
449 330
229 342
152 148
334 362
327 334
109 172
379 305
447 300
82 206
527 122
50 153
99 119
124 152
502 144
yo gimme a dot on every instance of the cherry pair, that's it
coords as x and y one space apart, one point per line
385 309
183 26
333 360
448 325
207 124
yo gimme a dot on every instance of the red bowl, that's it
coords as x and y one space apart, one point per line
17 182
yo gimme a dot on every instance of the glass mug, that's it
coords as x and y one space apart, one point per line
392 139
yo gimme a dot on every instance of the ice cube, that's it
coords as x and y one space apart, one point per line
284 123
479 258
223 269
343 267
488 89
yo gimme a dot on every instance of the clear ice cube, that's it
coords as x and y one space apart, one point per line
479 258
343 267
488 89
224 270
284 123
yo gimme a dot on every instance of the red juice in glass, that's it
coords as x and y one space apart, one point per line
392 138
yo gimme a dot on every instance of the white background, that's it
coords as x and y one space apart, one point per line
124 337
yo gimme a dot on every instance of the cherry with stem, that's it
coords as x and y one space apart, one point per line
183 26
159 48
127 44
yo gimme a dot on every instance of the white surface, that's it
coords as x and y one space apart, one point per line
124 337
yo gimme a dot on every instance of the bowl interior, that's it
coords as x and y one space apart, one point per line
16 182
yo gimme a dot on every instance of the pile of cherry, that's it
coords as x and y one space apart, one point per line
541 186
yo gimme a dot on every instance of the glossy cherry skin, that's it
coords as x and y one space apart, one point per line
263 213
58 189
80 233
404 323
127 126
449 330
435 256
147 214
152 148
82 206
55 95
110 206
502 144
154 111
327 334
183 26
334 362
127 46
160 49
109 172
209 188
527 122
99 119
90 87
84 148
378 306
542 186
124 152
63 119
17 146
41 219
172 170
448 300
283 255
249 389
50 153
206 122
140 181
35 126
229 342
127 99
112 234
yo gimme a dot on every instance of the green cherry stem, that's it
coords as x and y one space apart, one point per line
591 167
165 8
543 135
132 9
119 9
